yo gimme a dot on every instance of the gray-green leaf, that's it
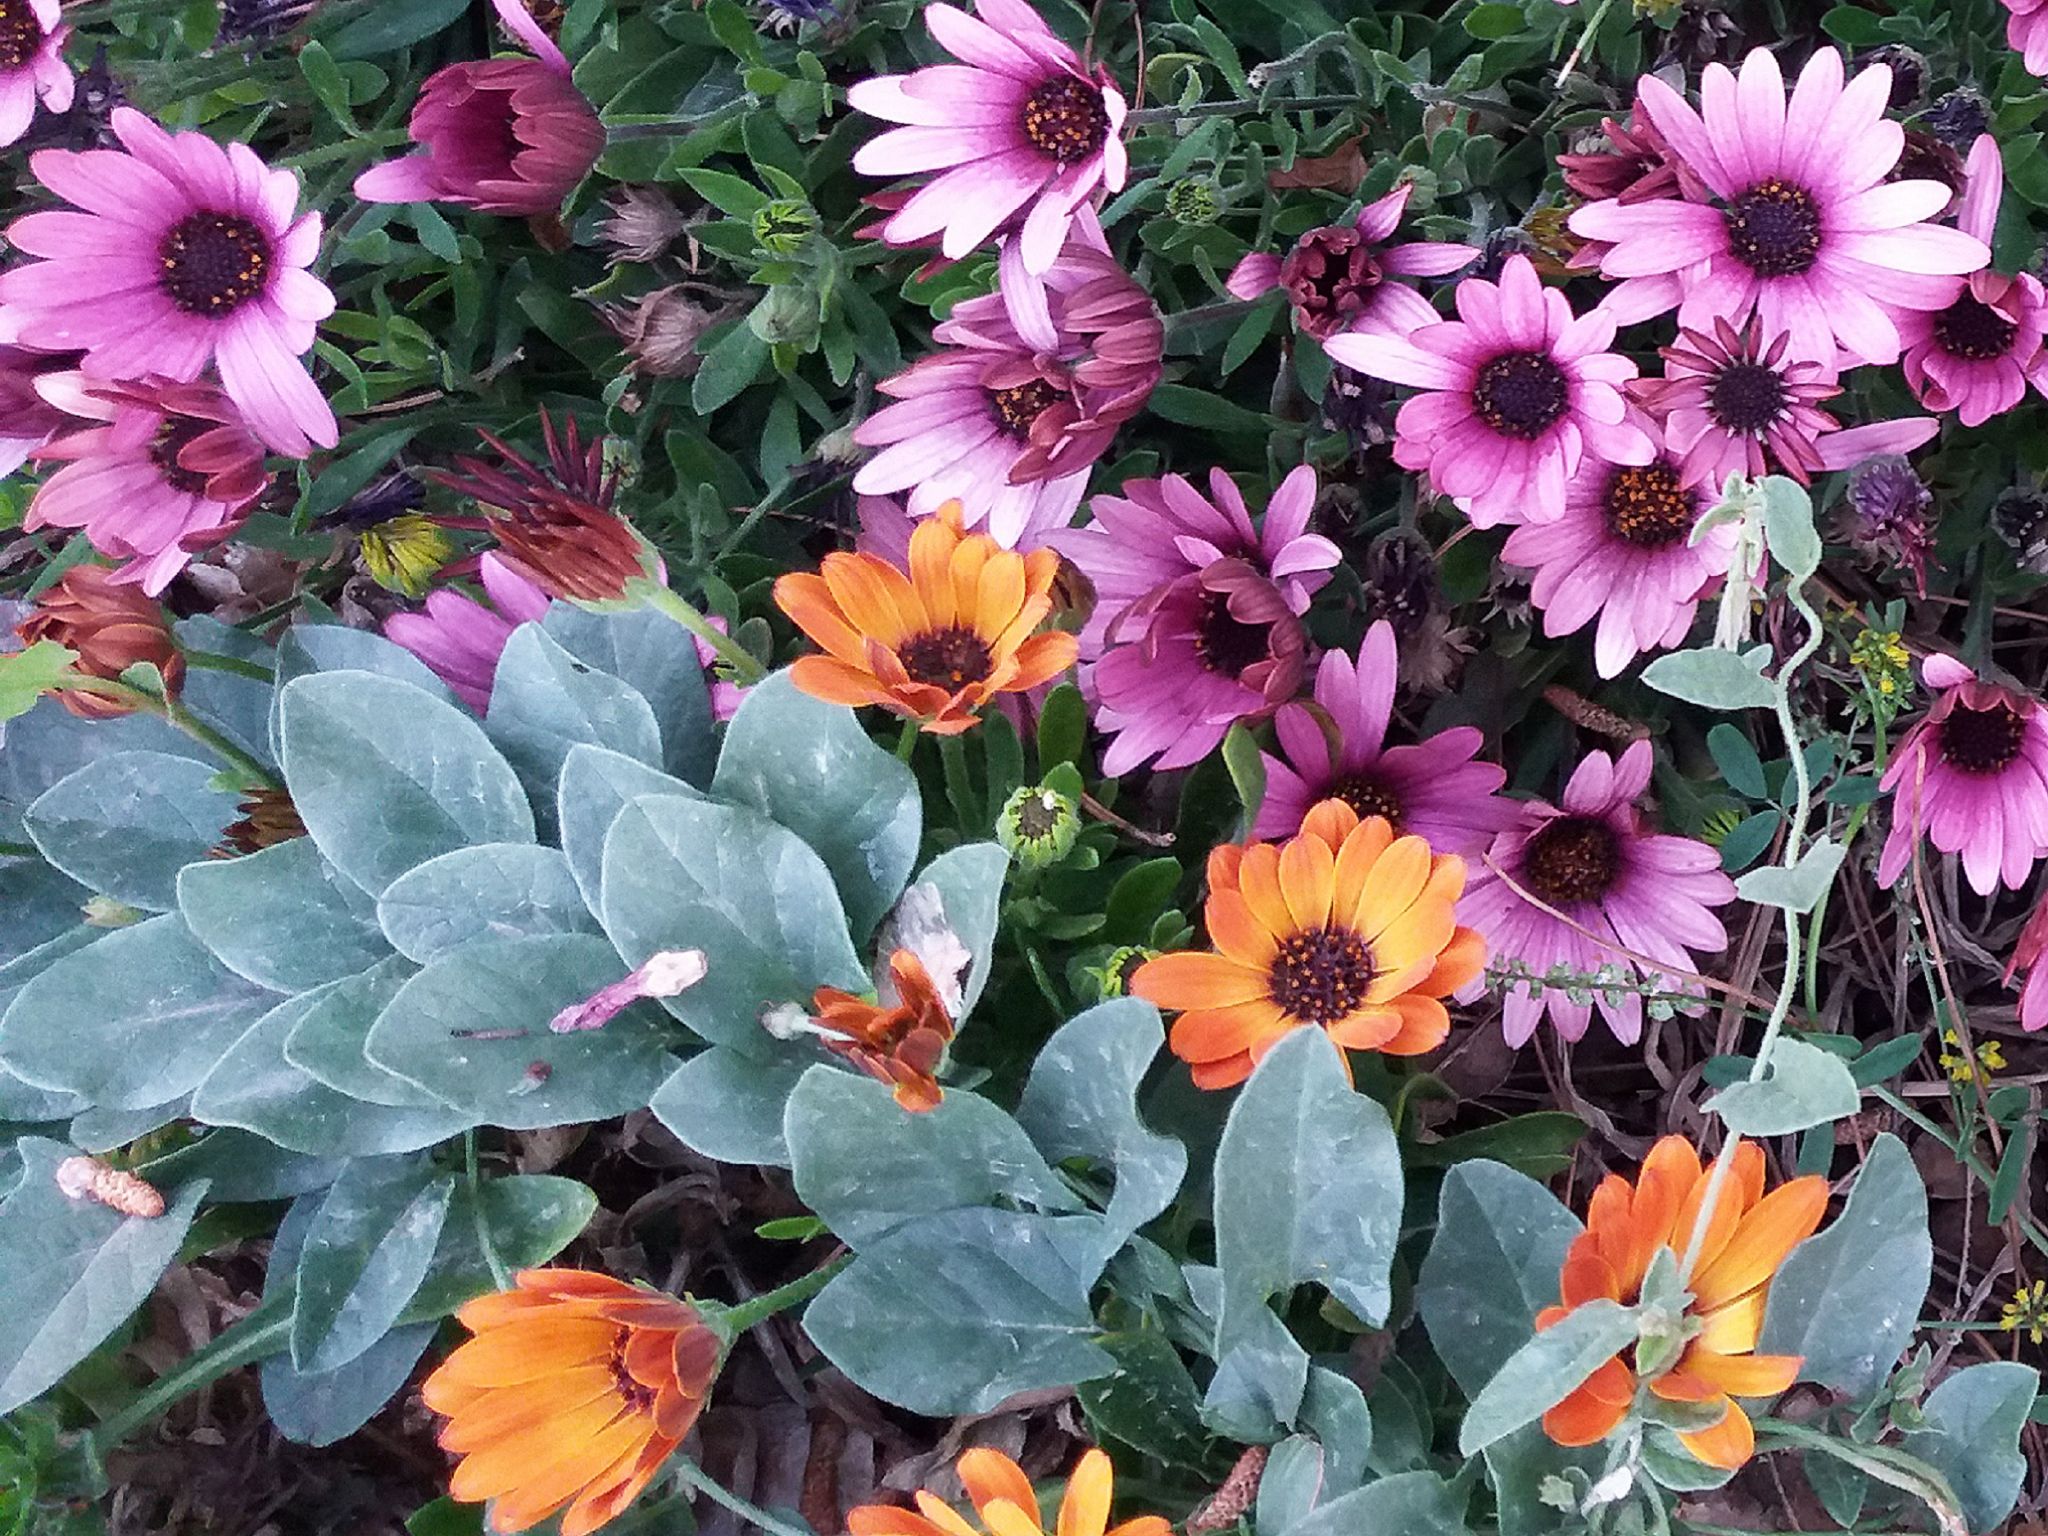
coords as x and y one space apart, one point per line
1546 1370
1806 1086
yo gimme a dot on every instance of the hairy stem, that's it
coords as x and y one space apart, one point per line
746 670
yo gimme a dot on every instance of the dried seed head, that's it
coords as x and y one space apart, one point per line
87 1178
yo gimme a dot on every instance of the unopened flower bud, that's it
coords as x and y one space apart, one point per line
1193 200
1038 826
782 227
112 626
105 912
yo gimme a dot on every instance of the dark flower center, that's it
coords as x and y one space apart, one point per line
1747 398
1330 276
214 263
1521 394
1225 642
20 34
948 658
1039 816
636 1396
1973 331
1647 507
1774 228
172 439
1065 118
1321 977
1020 405
1367 796
1573 859
1982 741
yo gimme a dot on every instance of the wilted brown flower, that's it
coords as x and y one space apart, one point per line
660 330
268 818
643 223
111 626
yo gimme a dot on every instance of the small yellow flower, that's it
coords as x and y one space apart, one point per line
2027 1312
1960 1069
406 553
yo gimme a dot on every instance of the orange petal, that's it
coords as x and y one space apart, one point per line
1390 890
1042 658
999 595
944 1515
875 597
1420 932
1366 1029
990 1475
1213 1034
1583 1419
1588 1275
1425 1025
1334 821
1084 1511
808 602
571 1448
1745 1375
1612 1382
506 1414
604 1502
1728 1444
887 1520
1193 978
1356 855
1772 1228
1258 881
1608 1224
1236 931
508 1357
1459 964
1732 1329
1307 881
931 575
836 682
546 1488
1227 1073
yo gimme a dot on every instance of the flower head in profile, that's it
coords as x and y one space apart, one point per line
2027 951
1028 391
1972 776
179 252
111 625
155 472
1977 356
1007 1505
1623 553
1516 394
27 419
899 1039
1337 277
32 67
1605 883
934 644
460 638
1022 131
1344 928
506 135
572 1391
1805 231
266 817
1335 748
1197 612
1746 1238
404 554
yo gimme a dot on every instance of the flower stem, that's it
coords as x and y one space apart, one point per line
746 670
501 1277
167 710
700 1481
751 1314
209 661
263 1332
906 741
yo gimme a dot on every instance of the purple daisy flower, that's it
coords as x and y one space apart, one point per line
187 252
1595 860
1336 276
1029 392
1336 749
1622 553
32 35
1021 121
1973 775
461 639
1809 234
1977 356
1518 392
1197 614
2026 30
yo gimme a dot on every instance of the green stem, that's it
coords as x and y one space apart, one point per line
1239 105
746 670
500 1275
695 1477
208 661
169 712
265 1331
1961 1151
751 1314
906 741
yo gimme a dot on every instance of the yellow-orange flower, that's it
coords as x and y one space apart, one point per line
1346 927
1747 1238
1004 1500
573 1392
936 645
898 1043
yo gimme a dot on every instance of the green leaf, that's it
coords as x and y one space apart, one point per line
596 785
544 701
27 675
320 1408
728 1104
386 776
1800 888
241 1167
1491 22
1188 407
954 1313
37 907
1738 762
329 1040
133 1021
285 918
1848 1298
1290 1486
1713 679
496 891
657 657
1247 767
733 363
1752 835
1972 1434
1406 1504
1062 728
1308 1189
1537 1144
531 1217
75 1271
729 194
969 881
1807 1086
1492 1266
1788 526
758 901
391 25
808 766
125 824
1149 1401
472 1030
366 1253
1545 1371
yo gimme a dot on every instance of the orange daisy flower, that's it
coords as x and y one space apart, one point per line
936 645
899 1044
1004 1499
1748 1237
574 1391
1346 927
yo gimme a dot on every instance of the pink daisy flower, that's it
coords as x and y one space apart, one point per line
1622 554
1596 860
1630 163
27 420
1517 393
1336 748
1977 356
1973 775
171 469
1022 132
1737 403
1034 382
186 252
2026 29
32 67
505 135
1336 277
1197 616
2026 955
461 639
1809 235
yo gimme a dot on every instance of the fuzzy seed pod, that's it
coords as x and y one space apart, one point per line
87 1178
